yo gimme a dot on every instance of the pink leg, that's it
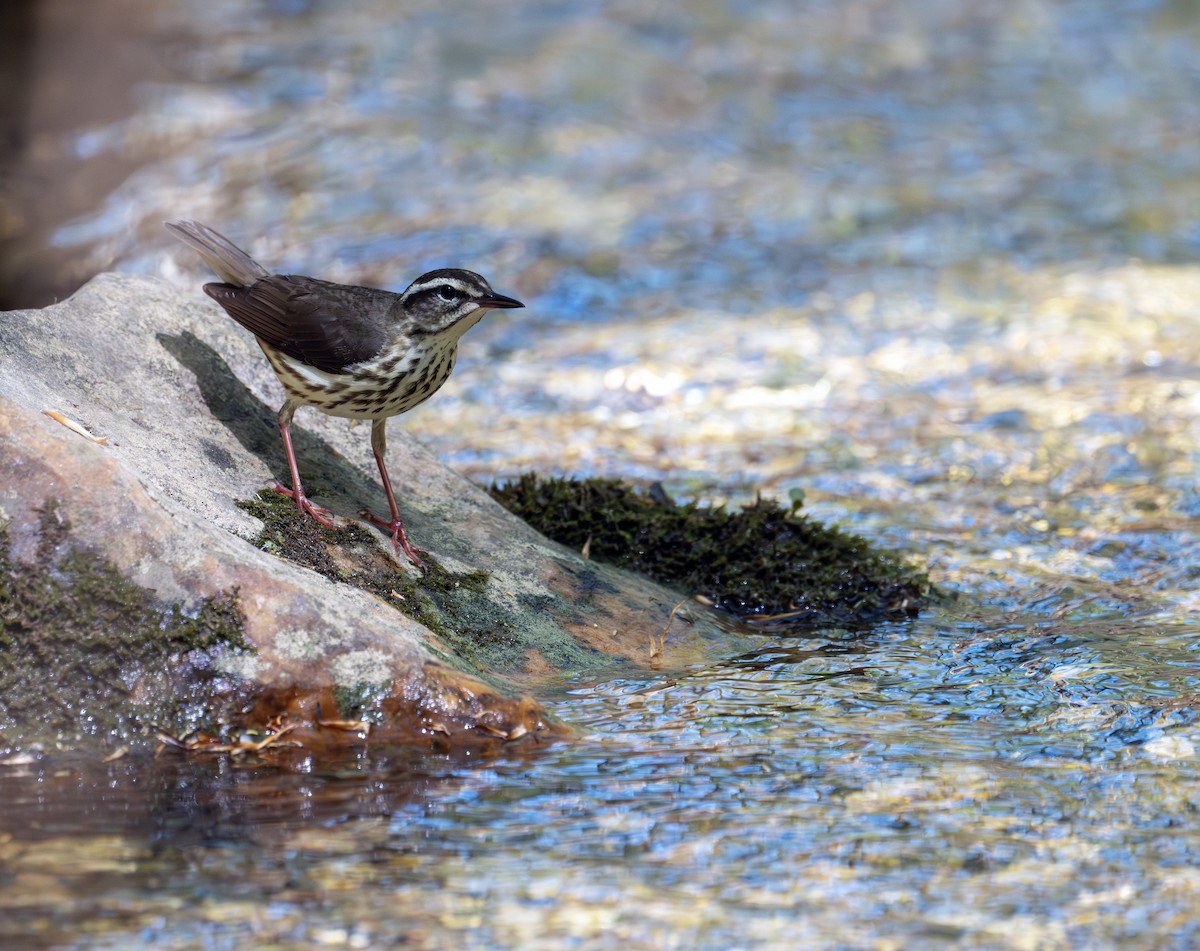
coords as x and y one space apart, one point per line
306 507
399 537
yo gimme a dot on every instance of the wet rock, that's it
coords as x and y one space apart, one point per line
150 467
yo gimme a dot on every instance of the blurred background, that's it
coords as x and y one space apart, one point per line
709 206
713 153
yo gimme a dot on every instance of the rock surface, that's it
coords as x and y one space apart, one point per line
158 376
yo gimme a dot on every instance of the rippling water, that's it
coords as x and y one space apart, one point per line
930 263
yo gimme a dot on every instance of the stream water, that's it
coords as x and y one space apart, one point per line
932 264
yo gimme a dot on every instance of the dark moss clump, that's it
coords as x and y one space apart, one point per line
763 560
450 604
85 652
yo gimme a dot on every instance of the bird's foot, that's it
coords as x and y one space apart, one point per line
399 537
324 516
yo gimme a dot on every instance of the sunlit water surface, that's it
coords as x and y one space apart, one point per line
1017 785
930 264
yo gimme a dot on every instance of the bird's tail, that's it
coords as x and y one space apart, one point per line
229 262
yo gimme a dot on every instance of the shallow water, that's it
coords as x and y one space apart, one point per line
931 264
1015 788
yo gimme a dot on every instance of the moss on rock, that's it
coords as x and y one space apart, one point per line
84 652
450 604
762 560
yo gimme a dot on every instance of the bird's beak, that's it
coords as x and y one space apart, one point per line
499 300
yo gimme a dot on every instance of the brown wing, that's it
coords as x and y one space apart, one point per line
328 326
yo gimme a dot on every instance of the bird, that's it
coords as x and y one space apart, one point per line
349 351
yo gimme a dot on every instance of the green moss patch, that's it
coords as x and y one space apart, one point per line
452 605
350 553
86 653
762 560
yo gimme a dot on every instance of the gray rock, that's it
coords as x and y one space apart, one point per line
159 376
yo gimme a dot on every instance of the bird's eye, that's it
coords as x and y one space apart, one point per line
448 293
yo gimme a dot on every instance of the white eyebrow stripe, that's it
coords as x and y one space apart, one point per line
471 289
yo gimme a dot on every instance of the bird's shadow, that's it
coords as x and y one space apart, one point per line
323 470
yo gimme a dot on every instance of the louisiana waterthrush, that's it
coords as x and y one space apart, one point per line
349 351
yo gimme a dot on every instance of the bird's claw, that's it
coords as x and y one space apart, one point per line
400 540
323 516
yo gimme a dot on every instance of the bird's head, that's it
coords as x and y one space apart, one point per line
449 299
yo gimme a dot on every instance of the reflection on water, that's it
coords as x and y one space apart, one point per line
906 786
932 263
